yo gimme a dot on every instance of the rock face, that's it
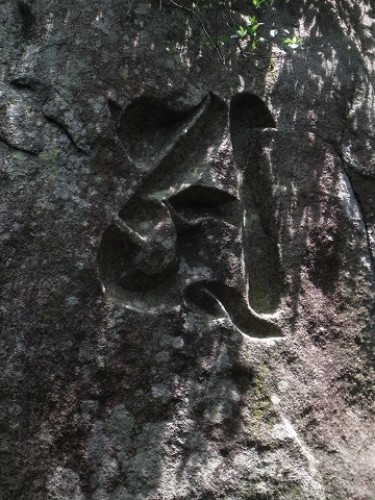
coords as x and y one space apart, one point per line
187 253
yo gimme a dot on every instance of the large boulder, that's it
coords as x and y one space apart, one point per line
187 236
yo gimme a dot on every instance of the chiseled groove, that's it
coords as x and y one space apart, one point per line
65 130
18 148
238 311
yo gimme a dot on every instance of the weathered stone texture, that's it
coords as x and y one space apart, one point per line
187 254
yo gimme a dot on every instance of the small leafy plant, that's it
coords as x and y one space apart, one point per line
247 35
258 3
249 32
293 42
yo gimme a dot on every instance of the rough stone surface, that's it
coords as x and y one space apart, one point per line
187 254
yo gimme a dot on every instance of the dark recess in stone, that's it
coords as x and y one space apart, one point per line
249 117
28 20
148 120
30 83
249 111
201 195
198 202
202 130
117 260
116 111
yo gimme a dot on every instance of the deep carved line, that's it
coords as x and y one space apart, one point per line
361 211
189 186
355 194
19 148
64 129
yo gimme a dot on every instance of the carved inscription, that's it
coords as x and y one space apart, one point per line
180 238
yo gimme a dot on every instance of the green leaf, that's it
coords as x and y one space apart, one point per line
293 42
242 32
258 3
223 40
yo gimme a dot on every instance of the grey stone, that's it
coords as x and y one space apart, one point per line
187 253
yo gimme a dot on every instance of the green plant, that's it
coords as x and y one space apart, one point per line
258 3
223 40
248 36
249 32
293 42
